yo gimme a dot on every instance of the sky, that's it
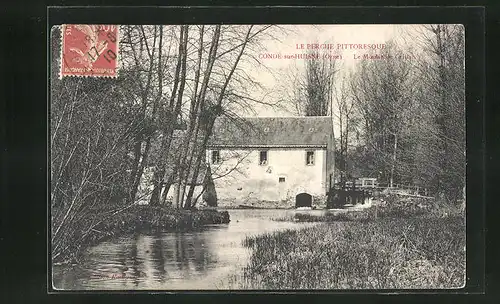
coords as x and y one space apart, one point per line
289 40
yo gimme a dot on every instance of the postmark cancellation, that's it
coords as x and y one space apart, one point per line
89 50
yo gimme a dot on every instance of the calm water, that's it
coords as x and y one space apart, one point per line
183 260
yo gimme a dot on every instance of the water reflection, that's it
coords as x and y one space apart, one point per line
180 260
158 258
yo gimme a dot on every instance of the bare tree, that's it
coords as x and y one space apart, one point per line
170 115
105 133
383 94
413 111
207 83
343 110
142 53
90 134
443 77
311 88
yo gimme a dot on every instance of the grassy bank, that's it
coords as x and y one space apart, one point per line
389 249
327 217
319 202
106 222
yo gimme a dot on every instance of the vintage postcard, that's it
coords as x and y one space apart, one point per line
257 157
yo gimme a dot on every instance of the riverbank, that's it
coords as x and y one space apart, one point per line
394 244
318 202
107 222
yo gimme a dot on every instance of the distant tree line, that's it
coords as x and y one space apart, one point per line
401 119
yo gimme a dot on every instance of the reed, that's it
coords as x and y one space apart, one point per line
388 247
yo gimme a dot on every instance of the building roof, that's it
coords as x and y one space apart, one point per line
310 131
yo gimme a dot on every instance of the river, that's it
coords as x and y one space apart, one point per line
199 260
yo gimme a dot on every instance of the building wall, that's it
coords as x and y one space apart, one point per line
239 177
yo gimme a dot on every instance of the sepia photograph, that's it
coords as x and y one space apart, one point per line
257 157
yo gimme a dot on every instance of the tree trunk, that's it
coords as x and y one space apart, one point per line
139 169
191 140
202 96
394 159
135 168
180 95
212 115
155 195
173 109
200 156
166 189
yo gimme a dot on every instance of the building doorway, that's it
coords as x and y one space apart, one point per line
303 200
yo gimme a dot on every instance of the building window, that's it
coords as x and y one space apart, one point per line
281 179
215 156
263 158
310 158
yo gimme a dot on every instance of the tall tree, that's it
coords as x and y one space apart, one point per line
142 50
171 114
312 86
207 83
344 113
383 92
443 76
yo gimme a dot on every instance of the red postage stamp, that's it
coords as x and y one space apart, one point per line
89 50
